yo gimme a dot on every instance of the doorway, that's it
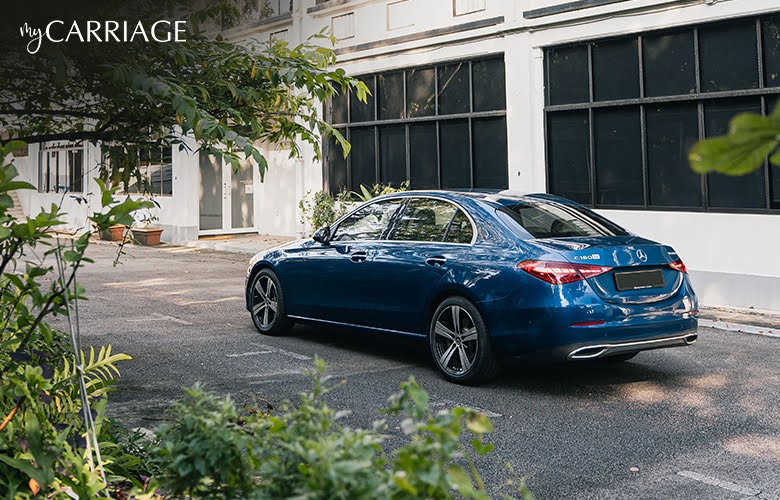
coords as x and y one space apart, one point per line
226 198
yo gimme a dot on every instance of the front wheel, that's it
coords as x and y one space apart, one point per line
459 343
267 304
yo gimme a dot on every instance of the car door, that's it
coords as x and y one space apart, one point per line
334 279
427 238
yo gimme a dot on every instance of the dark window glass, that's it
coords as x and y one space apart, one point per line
568 74
167 175
363 111
76 159
771 38
368 223
424 220
339 108
460 229
454 88
423 157
337 165
615 70
568 155
390 90
669 64
455 157
362 157
550 219
671 132
744 191
420 92
774 171
489 85
728 56
392 151
618 145
490 156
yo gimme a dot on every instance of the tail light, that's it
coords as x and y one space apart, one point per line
560 273
678 265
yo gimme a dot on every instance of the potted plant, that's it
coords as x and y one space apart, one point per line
143 232
113 233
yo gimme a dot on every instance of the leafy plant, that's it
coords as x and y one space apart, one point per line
750 140
366 193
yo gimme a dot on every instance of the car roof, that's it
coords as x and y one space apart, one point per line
495 197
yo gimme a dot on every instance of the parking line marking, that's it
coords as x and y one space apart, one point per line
158 317
739 327
451 404
250 353
289 354
727 485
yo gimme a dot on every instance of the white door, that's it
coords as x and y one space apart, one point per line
226 197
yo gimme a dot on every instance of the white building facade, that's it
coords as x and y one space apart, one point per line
595 100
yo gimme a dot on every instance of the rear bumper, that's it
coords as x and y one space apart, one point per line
596 350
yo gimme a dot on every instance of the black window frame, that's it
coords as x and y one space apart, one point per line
699 97
436 118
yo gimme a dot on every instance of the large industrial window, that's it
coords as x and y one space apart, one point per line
61 169
623 113
441 126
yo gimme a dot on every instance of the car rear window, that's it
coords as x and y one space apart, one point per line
549 219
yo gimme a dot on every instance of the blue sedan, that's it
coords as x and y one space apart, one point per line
483 277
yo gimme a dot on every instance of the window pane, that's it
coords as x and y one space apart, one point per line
729 56
671 132
77 170
167 175
489 85
359 111
669 65
618 143
455 157
552 219
568 155
460 230
490 154
454 88
615 70
391 96
363 157
744 191
568 74
774 170
368 223
337 165
771 38
420 93
422 156
392 160
424 220
339 108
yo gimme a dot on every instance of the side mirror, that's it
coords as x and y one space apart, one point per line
322 235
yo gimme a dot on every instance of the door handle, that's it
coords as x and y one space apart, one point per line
436 261
358 256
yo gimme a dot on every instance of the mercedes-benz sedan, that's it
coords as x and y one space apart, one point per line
483 277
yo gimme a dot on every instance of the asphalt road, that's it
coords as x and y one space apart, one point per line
695 422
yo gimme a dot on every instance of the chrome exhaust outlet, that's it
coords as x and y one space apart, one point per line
690 339
602 350
588 352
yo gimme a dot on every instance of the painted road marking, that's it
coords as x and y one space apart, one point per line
157 317
739 327
727 485
451 404
251 353
276 350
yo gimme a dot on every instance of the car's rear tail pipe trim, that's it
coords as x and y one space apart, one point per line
603 350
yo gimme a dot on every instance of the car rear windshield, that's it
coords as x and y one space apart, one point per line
549 219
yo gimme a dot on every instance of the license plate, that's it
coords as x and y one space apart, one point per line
639 280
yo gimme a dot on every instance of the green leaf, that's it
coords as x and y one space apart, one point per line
479 423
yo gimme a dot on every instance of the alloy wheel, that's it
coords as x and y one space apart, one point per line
265 301
456 341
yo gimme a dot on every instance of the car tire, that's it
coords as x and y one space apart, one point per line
459 343
267 304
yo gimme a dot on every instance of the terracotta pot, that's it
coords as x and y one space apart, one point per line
147 236
113 233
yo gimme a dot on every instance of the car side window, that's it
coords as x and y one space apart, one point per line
368 223
460 230
427 219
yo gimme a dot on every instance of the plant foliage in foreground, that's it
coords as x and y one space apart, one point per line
210 451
